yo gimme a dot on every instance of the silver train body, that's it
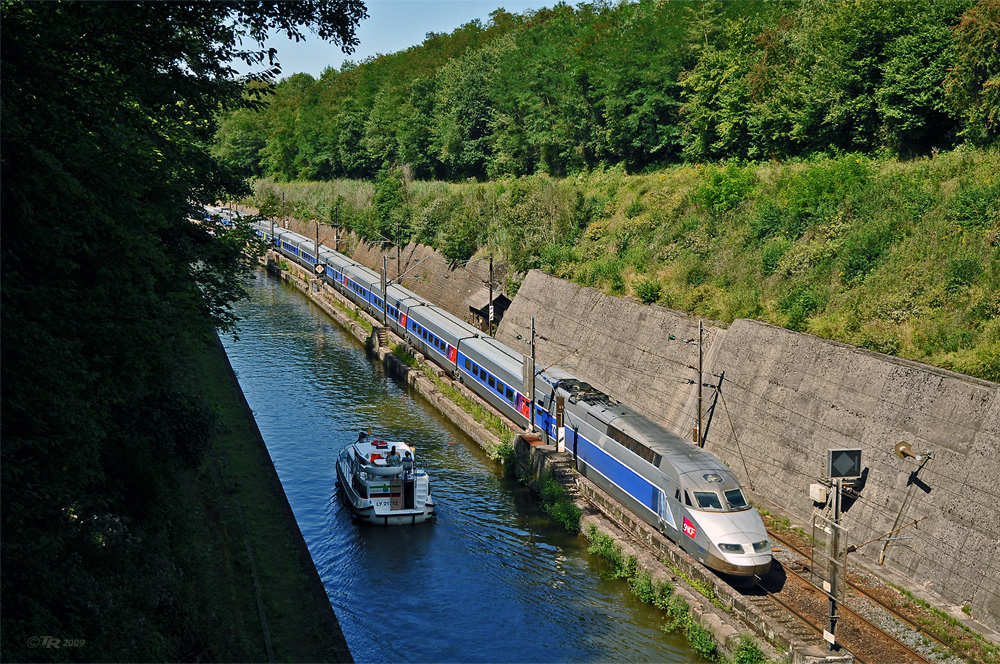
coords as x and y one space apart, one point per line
675 486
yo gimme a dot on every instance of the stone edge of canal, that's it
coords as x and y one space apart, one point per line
293 620
535 459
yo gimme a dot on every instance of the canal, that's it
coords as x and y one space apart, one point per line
492 580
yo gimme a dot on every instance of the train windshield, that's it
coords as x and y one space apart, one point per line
736 499
708 500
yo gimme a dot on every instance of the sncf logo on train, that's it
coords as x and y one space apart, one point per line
689 528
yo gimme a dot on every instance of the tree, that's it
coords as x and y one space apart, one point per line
973 84
108 111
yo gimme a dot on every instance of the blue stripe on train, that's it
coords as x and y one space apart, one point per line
627 479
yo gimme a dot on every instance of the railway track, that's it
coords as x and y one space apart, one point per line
867 642
862 624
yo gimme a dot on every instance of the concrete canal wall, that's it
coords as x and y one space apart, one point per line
783 399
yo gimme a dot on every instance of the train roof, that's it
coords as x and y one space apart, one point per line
432 315
495 350
686 458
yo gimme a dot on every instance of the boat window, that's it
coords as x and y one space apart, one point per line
687 499
736 499
708 500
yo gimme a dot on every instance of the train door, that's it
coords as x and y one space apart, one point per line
664 516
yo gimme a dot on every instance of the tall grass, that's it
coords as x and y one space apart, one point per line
898 257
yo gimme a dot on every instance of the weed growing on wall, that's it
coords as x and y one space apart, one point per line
661 594
484 416
404 356
559 504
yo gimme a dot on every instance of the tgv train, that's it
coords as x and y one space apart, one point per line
675 486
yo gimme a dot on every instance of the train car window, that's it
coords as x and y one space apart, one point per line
467 364
736 499
631 443
677 495
510 394
687 499
492 382
708 500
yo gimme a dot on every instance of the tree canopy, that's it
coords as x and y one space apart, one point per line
640 85
108 111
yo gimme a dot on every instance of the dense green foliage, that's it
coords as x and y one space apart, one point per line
107 112
570 89
897 257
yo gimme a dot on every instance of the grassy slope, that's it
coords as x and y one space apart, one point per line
897 257
233 500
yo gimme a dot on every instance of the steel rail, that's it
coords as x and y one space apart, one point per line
892 611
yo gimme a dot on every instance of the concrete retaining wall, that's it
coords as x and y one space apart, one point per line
784 399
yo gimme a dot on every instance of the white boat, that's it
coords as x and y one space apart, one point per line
382 489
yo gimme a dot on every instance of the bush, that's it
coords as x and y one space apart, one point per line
863 251
978 206
748 651
460 236
962 272
770 255
649 290
727 187
559 504
799 303
702 641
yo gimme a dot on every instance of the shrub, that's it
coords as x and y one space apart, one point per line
702 641
798 304
460 237
771 254
649 290
727 187
559 504
863 251
978 206
748 651
962 272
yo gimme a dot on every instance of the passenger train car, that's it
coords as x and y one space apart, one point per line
675 486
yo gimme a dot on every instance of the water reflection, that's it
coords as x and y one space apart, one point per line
490 581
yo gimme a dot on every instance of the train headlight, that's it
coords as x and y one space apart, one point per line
731 548
761 547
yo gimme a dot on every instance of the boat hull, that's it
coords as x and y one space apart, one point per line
377 509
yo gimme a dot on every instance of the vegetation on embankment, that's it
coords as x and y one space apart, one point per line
661 594
900 257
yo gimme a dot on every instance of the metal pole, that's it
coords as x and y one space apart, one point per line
385 302
491 297
531 395
701 435
834 576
